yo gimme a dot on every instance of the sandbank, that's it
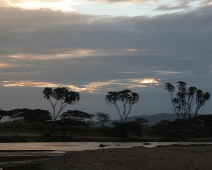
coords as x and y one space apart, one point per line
137 158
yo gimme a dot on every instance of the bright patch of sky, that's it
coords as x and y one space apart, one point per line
108 7
116 9
91 87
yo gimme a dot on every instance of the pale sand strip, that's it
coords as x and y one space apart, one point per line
136 158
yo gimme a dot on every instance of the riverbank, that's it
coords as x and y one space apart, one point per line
160 158
21 166
173 157
29 137
24 160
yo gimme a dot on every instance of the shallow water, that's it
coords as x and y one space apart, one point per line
61 147
21 154
40 151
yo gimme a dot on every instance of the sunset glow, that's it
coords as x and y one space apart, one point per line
101 7
146 81
91 87
27 84
95 46
63 5
69 54
6 65
135 50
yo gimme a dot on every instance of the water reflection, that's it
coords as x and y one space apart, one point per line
22 153
61 147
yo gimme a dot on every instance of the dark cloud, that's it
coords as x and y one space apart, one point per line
76 49
48 32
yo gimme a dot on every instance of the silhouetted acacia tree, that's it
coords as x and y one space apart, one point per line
102 118
187 102
130 126
203 120
141 121
14 115
29 115
74 118
3 114
126 97
61 96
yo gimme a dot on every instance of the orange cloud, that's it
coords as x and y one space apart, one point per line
149 81
91 87
27 84
6 65
68 54
135 50
63 5
145 82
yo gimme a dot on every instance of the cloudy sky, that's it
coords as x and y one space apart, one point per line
95 46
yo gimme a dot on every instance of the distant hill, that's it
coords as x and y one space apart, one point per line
153 119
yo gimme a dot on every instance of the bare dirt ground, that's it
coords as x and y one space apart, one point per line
137 158
196 157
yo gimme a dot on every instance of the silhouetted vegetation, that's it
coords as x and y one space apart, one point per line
182 130
3 114
25 115
102 118
129 128
203 120
62 96
74 118
127 99
187 102
29 116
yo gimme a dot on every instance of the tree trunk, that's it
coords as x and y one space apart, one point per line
52 129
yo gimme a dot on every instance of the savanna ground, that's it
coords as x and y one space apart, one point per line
168 157
36 132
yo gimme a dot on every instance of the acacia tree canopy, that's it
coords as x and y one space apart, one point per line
61 96
187 102
102 118
29 115
74 118
126 97
3 114
76 115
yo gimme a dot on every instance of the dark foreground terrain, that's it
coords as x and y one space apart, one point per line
176 157
23 160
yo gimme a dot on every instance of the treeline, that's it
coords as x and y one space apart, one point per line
186 104
185 129
74 122
25 116
68 119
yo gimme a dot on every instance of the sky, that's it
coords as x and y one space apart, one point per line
97 46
